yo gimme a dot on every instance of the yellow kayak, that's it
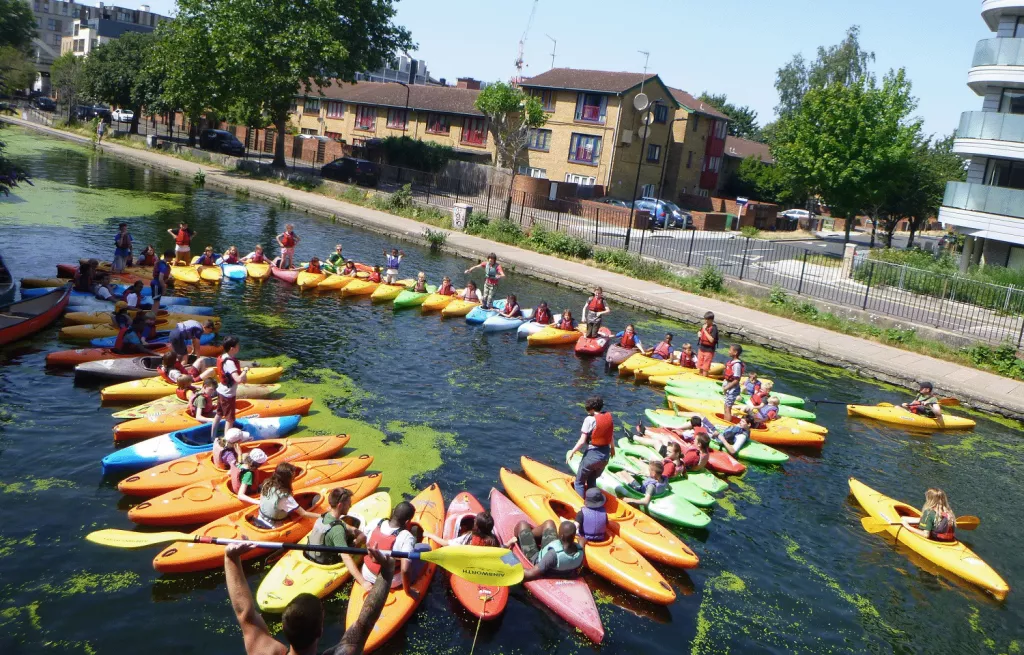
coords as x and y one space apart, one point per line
187 274
458 308
712 407
258 271
644 367
901 416
107 318
359 288
258 386
335 282
691 375
307 280
953 556
386 292
435 302
41 282
552 336
211 273
296 574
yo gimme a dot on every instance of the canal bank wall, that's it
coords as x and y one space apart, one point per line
978 389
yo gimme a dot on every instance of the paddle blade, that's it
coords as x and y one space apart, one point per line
949 402
128 539
875 525
484 565
967 522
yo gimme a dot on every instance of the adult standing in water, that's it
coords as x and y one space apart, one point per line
492 275
594 311
597 444
122 249
182 243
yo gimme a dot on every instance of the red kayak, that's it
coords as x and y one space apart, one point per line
289 275
26 317
569 598
592 347
72 358
719 461
482 601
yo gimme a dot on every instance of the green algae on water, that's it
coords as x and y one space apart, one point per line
30 612
34 485
86 582
58 204
10 544
273 321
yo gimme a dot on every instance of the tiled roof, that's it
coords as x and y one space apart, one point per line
576 79
743 148
441 99
692 104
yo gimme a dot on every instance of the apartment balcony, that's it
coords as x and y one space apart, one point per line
989 134
992 10
997 62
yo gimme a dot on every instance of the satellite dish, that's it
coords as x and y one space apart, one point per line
640 101
644 132
648 118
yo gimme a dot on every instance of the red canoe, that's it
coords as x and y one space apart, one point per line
26 317
482 601
72 358
289 275
596 346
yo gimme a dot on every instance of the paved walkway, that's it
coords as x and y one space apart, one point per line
871 359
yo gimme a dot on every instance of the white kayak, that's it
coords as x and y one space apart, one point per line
234 271
500 323
528 328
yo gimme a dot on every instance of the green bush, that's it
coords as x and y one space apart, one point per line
545 240
401 199
436 238
1003 359
354 195
750 231
477 223
778 296
504 231
417 154
710 279
806 310
199 179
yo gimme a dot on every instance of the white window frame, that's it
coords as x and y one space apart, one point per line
582 180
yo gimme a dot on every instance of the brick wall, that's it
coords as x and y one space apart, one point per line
709 221
695 203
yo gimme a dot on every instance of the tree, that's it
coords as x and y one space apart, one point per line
760 181
17 24
261 53
742 120
66 80
190 84
511 116
16 70
112 71
844 141
845 63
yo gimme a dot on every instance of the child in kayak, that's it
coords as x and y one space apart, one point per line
314 266
230 374
925 404
512 309
470 294
349 269
276 501
688 358
655 484
707 343
421 283
681 460
243 476
566 323
393 261
331 530
734 437
375 275
480 534
208 258
492 275
752 384
593 312
664 349
161 277
761 416
226 451
122 249
256 256
592 519
393 534
230 256
446 287
628 338
762 391
148 257
542 316
182 242
132 296
554 551
335 260
937 521
288 240
203 405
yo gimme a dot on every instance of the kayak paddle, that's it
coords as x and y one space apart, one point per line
478 564
875 525
945 402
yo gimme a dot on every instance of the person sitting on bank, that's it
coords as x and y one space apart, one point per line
937 521
566 322
470 294
664 349
734 437
512 308
628 338
687 358
925 404
655 484
421 283
332 529
542 315
393 534
555 552
446 288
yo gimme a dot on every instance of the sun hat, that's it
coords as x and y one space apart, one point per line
595 499
235 435
257 456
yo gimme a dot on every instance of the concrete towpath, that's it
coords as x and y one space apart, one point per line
974 388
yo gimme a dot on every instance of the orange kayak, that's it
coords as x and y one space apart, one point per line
185 557
635 528
199 467
612 559
71 358
482 601
205 501
152 426
399 606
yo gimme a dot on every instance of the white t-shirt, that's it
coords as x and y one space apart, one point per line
132 299
104 293
462 539
405 542
174 374
223 389
589 425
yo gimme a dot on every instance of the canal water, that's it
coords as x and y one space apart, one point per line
785 564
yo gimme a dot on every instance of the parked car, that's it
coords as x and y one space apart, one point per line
103 113
665 213
44 104
350 169
221 141
796 214
614 202
122 115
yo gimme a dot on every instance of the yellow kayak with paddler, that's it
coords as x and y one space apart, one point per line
899 416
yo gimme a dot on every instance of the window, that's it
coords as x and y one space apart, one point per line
541 173
308 131
703 193
294 107
438 124
540 140
474 131
581 180
335 135
547 100
584 149
1018 31
1012 101
689 159
334 110
311 106
366 117
51 24
64 9
396 119
58 25
660 113
653 153
711 164
590 107
696 121
647 191
56 39
1005 173
77 26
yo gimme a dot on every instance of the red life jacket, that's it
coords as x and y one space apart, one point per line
314 267
208 395
380 541
663 350
944 529
164 376
288 240
704 337
596 304
221 375
542 316
183 238
258 258
119 341
758 397
148 260
207 260
628 340
182 394
604 430
687 361
699 430
566 324
729 377
446 290
374 277
230 259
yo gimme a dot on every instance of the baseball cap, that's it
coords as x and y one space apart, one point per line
257 456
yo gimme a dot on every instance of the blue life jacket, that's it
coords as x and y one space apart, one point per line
595 524
565 563
750 387
393 261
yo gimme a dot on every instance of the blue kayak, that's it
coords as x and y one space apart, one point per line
478 314
100 306
161 338
498 323
234 271
182 443
88 297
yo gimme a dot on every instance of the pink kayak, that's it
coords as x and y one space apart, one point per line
570 599
596 346
289 275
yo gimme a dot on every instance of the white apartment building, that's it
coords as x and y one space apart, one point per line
989 207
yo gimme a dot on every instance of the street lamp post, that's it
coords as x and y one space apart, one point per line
405 121
639 165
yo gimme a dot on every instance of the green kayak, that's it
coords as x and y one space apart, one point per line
670 508
706 480
412 298
701 393
751 451
702 389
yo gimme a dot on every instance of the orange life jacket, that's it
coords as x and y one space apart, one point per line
288 240
604 430
183 238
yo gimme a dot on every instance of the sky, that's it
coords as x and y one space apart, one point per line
720 46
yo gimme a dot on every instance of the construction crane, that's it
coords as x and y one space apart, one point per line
522 44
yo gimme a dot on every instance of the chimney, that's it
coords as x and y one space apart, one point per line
468 83
144 8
